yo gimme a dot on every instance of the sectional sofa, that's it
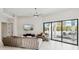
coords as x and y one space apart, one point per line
22 42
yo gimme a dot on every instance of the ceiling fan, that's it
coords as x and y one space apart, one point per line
36 12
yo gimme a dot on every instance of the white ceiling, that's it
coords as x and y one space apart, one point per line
31 11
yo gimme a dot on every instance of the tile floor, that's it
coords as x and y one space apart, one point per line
48 45
54 45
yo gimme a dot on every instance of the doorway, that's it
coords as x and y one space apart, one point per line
6 29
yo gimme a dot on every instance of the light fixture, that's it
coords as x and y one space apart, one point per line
36 13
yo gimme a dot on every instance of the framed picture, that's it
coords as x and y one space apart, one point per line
28 27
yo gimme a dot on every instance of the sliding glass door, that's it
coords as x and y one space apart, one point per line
56 30
47 30
64 31
69 33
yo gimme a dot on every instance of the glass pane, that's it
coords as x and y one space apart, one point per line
70 31
47 30
56 30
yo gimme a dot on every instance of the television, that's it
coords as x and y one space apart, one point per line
28 27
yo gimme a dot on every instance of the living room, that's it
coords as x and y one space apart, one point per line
33 17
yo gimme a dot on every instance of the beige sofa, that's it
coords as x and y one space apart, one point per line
23 42
2 47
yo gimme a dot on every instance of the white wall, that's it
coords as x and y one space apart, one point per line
15 25
38 22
